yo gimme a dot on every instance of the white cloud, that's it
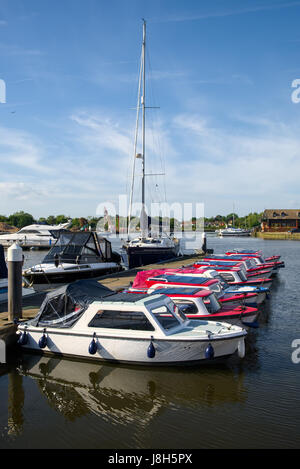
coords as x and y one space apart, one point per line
14 49
227 12
205 162
21 149
257 167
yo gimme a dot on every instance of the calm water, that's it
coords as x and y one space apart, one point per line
54 403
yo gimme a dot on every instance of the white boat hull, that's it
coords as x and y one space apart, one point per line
171 352
46 277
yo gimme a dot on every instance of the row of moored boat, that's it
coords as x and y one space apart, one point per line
190 315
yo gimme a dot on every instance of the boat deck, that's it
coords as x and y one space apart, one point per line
116 282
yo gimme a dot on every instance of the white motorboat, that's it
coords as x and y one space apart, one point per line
39 236
234 232
88 321
146 248
235 287
78 255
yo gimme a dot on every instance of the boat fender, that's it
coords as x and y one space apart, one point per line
93 346
241 348
56 260
209 352
43 340
23 339
151 349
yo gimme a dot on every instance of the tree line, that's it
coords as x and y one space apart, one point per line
251 220
21 219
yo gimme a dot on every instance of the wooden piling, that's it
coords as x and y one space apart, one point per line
204 248
14 263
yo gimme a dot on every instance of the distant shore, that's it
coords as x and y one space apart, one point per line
278 235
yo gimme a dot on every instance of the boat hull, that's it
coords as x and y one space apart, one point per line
246 233
42 281
139 256
128 350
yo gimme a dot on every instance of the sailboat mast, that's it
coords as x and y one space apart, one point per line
139 102
144 113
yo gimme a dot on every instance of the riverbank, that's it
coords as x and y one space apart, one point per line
277 235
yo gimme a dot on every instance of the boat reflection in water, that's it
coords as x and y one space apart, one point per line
122 395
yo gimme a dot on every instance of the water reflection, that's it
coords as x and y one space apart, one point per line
122 394
16 398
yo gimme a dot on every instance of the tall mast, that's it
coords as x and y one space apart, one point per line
144 216
139 102
144 113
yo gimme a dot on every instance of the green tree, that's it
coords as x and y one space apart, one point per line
21 219
61 219
51 220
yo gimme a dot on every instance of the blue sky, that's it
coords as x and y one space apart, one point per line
226 132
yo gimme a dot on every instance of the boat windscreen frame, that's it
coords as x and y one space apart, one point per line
70 240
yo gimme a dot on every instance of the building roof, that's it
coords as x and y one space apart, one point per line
277 213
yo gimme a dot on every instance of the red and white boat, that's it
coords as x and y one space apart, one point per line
150 280
248 264
234 274
203 304
259 260
236 285
250 252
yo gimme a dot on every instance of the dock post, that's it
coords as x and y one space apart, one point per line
204 249
14 261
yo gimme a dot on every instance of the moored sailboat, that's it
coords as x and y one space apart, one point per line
147 248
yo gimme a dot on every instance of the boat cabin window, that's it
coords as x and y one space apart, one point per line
215 288
133 320
227 276
186 306
166 317
222 281
212 304
29 231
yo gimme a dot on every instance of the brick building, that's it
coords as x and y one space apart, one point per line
280 220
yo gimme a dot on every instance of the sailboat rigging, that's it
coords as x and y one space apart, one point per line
145 249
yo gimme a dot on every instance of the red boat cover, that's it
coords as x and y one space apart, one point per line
141 277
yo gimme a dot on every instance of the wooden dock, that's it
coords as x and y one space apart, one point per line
116 281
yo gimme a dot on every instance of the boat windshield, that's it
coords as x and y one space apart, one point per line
212 304
221 280
186 306
242 276
167 318
216 287
79 248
